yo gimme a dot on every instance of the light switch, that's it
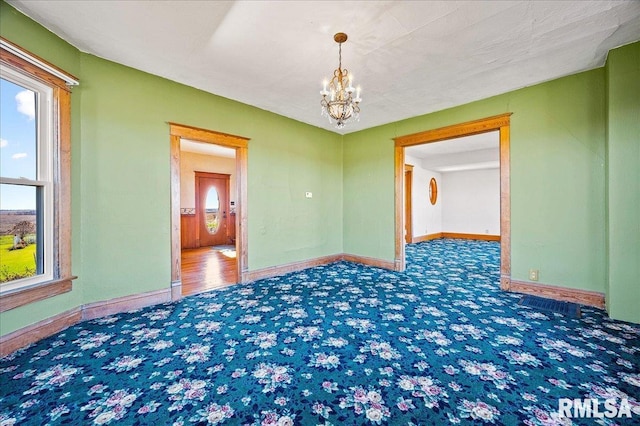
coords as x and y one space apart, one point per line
308 194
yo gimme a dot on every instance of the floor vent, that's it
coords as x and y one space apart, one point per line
569 309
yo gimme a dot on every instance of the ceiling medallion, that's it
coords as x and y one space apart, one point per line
338 102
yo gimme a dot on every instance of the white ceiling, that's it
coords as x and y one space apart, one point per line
465 153
410 57
206 148
481 141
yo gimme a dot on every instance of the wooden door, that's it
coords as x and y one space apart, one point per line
408 185
212 208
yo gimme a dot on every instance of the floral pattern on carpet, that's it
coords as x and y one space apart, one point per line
340 344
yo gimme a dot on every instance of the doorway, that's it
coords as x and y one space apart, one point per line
220 222
501 123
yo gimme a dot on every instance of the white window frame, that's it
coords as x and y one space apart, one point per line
44 174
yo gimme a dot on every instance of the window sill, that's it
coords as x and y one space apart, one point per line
33 294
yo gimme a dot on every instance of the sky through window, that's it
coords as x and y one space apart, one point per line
17 143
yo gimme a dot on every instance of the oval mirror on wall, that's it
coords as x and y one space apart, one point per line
433 191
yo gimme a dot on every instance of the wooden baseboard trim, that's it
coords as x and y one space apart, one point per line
455 235
370 261
427 237
583 297
505 282
274 271
398 265
32 333
125 303
176 290
482 237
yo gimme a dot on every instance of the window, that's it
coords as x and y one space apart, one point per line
35 246
26 181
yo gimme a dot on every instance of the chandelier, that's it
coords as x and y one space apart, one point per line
337 100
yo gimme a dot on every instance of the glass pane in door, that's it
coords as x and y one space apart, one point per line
212 211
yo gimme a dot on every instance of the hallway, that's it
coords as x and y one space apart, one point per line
205 269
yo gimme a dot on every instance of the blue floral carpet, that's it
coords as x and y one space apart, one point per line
341 344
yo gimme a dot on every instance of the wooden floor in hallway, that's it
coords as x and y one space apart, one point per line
205 269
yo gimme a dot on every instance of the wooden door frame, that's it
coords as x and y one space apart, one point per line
408 203
241 145
502 123
209 175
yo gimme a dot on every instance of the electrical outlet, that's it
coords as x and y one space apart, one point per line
308 194
533 274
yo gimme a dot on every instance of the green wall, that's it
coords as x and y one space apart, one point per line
125 176
557 179
121 176
623 155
